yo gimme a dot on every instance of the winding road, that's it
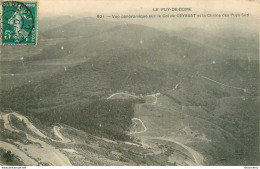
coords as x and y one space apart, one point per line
144 127
198 158
46 153
32 128
155 97
29 125
63 139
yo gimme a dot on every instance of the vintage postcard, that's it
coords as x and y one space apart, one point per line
129 83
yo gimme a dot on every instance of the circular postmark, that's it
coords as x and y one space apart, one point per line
17 21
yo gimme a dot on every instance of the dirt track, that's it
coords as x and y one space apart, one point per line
46 153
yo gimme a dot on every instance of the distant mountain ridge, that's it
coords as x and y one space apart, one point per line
200 76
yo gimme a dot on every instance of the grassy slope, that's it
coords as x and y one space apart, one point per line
121 62
228 117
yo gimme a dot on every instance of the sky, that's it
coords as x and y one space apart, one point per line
77 7
91 8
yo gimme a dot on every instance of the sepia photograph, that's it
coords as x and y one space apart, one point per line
129 83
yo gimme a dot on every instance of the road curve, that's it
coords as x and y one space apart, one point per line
57 132
198 158
47 153
31 127
122 93
155 97
144 127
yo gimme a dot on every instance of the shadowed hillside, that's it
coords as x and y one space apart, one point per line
203 92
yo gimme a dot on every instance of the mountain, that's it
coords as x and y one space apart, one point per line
54 22
241 42
109 70
181 99
80 27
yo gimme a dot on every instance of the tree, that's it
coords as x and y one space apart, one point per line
9 156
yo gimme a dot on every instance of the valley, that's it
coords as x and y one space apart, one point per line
36 138
127 94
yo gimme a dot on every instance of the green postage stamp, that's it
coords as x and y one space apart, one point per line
19 22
